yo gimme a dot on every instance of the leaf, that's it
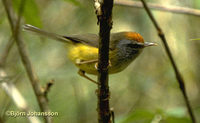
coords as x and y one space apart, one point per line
139 116
195 39
176 112
75 2
172 119
176 115
31 12
160 116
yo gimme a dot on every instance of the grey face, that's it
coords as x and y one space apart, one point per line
128 44
129 49
134 44
125 52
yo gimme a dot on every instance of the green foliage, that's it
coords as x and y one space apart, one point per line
172 119
197 3
195 39
139 116
31 12
75 2
2 15
146 116
2 19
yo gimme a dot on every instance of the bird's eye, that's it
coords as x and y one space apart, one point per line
136 46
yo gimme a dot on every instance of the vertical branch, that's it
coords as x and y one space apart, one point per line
104 15
176 70
15 27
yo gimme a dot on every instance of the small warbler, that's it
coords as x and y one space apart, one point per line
83 49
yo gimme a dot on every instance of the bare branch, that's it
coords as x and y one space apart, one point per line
176 70
43 103
168 8
10 13
11 16
6 52
47 88
104 15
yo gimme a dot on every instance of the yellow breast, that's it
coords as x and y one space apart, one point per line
81 53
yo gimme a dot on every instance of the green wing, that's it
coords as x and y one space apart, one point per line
92 39
88 39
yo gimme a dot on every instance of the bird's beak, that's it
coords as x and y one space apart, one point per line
146 44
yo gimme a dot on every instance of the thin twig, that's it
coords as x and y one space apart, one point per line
10 43
112 115
47 88
42 101
168 8
104 15
176 70
10 13
6 52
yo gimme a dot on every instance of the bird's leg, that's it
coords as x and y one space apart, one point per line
82 73
96 65
79 61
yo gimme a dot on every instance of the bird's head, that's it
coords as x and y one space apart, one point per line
137 41
130 44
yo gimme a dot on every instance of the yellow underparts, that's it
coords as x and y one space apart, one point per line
82 53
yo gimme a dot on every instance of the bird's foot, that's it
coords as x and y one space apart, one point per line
82 73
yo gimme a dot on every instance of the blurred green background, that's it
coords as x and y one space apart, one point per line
145 92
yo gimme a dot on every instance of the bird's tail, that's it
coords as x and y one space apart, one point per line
36 30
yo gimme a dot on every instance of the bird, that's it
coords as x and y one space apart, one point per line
124 48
